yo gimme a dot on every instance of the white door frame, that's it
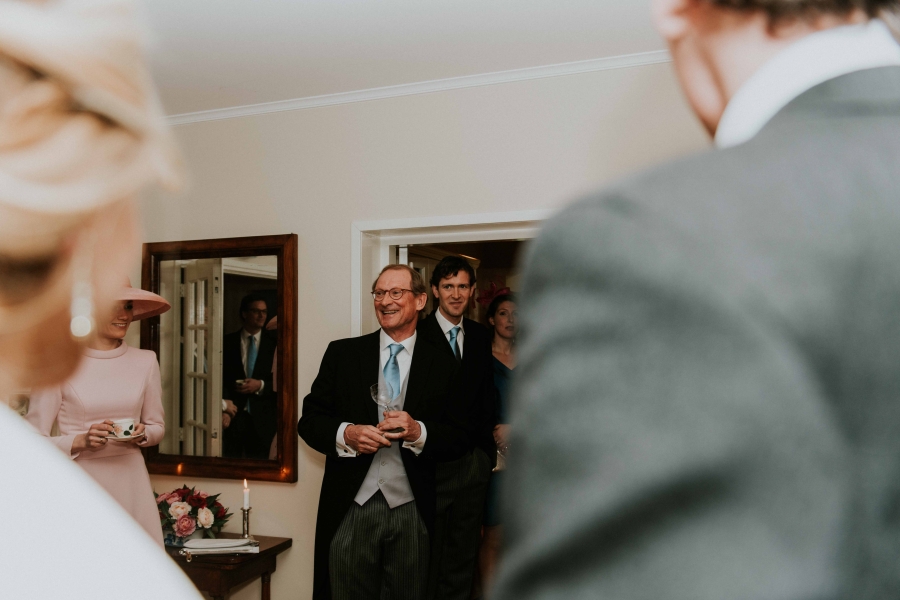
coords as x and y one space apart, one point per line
370 243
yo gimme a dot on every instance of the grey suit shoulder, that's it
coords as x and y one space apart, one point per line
707 354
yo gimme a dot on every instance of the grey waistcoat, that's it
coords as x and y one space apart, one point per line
387 472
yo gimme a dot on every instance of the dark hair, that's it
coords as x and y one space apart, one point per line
781 10
449 267
249 299
416 283
496 302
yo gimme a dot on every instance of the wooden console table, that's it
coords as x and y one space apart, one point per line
216 574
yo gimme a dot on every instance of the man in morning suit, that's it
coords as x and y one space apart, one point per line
708 394
461 484
377 504
249 414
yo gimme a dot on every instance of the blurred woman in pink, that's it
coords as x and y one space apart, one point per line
113 381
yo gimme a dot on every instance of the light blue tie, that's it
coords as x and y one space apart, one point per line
252 351
453 333
392 369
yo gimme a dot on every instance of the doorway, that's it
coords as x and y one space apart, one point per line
496 265
375 244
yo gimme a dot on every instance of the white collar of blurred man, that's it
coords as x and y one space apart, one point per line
453 295
717 50
398 318
803 65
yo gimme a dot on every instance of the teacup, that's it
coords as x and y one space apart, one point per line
123 428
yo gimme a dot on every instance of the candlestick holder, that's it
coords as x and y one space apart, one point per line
246 526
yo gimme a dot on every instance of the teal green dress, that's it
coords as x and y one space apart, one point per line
502 377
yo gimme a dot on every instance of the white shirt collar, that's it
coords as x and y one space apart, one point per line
446 325
803 65
409 343
245 335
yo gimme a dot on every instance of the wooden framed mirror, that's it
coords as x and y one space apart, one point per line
234 309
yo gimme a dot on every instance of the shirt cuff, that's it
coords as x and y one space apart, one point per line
418 445
343 450
262 386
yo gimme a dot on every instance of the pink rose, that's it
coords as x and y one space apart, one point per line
162 497
205 517
185 526
173 498
179 509
202 494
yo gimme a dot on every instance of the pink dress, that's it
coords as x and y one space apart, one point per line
113 384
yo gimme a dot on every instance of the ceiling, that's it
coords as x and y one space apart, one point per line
215 54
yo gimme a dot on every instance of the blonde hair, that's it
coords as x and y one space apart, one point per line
81 131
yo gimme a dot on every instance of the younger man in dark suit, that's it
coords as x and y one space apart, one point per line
250 411
461 484
377 505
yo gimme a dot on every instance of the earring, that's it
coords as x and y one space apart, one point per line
82 307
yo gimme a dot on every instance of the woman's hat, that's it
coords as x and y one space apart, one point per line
146 304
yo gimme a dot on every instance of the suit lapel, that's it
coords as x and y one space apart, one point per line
236 355
436 335
423 356
368 372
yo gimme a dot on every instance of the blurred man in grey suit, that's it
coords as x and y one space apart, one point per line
708 403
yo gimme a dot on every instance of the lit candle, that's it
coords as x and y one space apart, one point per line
246 495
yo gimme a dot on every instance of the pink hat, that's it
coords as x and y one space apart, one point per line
146 304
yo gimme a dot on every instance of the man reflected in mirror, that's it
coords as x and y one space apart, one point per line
249 401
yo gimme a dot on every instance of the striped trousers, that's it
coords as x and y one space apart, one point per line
379 553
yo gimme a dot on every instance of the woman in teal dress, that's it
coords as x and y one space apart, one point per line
501 315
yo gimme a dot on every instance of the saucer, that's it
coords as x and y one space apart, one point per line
124 439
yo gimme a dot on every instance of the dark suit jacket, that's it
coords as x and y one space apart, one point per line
340 393
478 394
707 401
263 407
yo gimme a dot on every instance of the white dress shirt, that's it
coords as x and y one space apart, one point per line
801 66
404 360
446 326
245 345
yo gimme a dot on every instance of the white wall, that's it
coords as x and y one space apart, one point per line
515 146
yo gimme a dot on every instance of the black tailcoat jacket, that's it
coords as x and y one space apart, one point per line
340 393
233 366
478 394
264 406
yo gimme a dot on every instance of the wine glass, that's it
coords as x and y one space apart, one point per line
383 395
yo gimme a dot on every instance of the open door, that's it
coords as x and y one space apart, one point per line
201 397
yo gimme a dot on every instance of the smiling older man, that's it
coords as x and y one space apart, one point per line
377 502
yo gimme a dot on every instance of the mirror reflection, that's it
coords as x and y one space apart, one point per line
217 350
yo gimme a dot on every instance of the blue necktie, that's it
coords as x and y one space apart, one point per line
453 333
392 369
252 351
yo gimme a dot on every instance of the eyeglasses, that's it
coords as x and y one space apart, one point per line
395 293
257 311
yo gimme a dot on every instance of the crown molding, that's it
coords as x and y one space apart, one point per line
426 87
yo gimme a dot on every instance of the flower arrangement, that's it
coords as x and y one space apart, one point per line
186 512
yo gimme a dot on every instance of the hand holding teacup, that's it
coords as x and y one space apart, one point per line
94 439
